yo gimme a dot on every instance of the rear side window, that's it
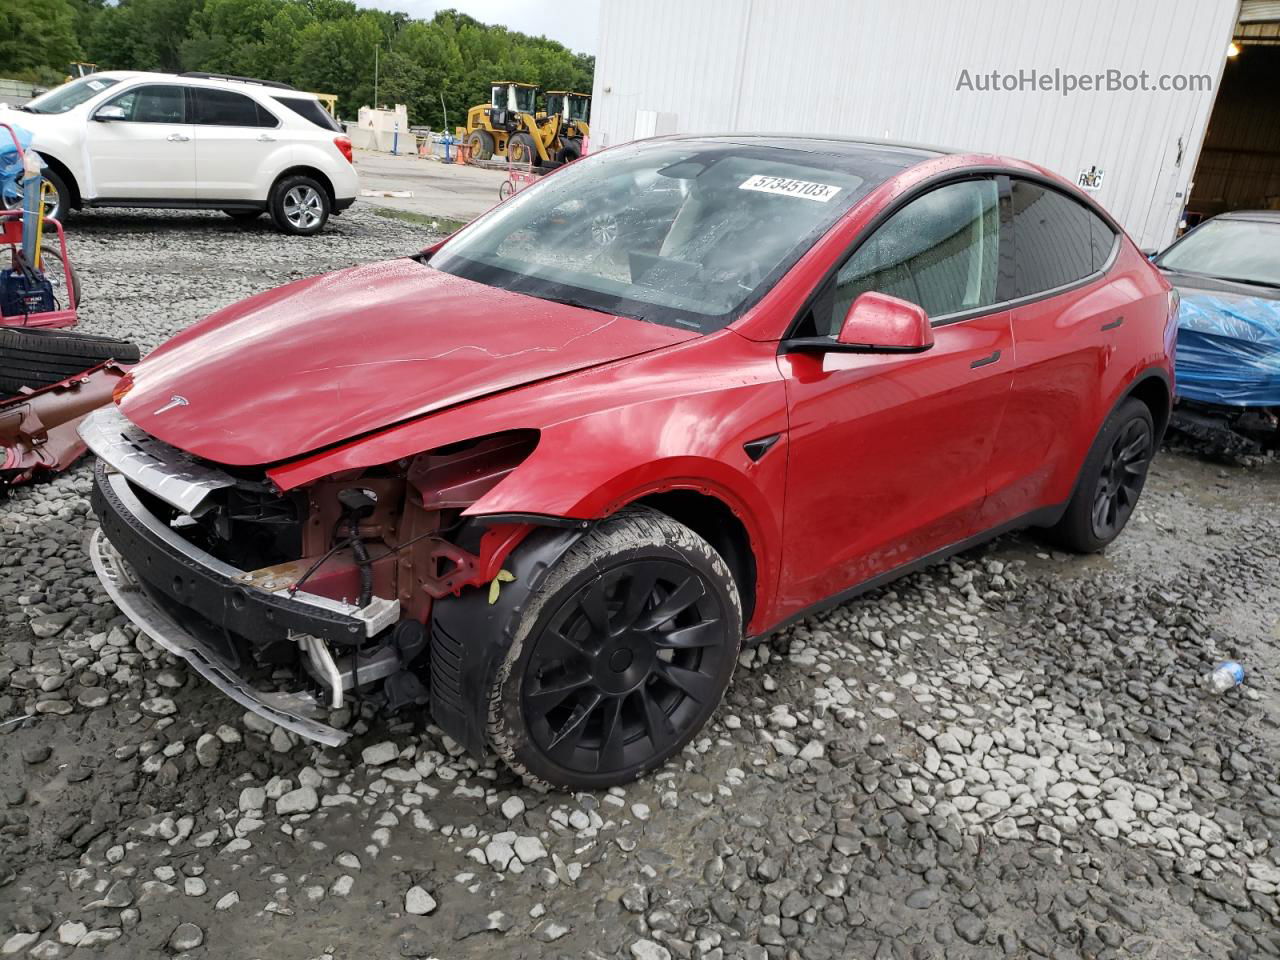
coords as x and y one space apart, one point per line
941 251
310 110
226 108
1056 240
154 103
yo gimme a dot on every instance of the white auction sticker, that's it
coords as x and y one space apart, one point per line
804 189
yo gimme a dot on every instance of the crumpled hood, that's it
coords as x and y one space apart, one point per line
322 360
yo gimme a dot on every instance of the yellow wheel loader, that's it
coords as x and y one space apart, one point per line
574 113
508 126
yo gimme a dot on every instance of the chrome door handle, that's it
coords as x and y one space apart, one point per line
985 361
265 138
178 138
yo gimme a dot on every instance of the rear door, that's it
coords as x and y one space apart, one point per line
148 155
888 453
235 138
1065 319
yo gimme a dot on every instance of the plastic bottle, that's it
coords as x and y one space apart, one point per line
1226 675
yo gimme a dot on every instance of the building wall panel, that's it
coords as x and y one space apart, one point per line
890 70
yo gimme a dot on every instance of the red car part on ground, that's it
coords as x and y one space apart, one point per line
644 476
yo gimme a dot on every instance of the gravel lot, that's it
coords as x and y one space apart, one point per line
1008 754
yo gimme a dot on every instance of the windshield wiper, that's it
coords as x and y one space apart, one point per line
1215 276
569 302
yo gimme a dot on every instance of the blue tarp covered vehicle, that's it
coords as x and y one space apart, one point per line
11 167
1227 365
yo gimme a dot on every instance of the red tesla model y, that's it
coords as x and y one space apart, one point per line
541 481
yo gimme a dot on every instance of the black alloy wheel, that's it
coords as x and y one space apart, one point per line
620 657
1124 471
1110 481
625 667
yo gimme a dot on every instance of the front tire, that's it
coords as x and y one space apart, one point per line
1110 482
620 657
299 206
520 149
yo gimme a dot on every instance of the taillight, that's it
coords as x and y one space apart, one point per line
1175 299
344 147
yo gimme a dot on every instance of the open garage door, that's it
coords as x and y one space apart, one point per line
1239 165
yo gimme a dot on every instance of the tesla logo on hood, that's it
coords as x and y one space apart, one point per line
174 401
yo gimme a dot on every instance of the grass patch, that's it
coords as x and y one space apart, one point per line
434 224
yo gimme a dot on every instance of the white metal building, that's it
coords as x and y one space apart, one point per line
896 69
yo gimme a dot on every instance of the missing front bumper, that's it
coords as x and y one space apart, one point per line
293 711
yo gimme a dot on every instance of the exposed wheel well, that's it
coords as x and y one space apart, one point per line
60 168
311 172
712 520
1154 392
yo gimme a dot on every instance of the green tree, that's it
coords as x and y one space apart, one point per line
38 39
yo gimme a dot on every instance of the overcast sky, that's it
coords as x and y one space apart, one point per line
572 22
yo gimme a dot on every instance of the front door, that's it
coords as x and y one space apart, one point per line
149 152
888 453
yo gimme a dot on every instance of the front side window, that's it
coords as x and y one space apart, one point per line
69 95
226 108
941 251
153 103
688 233
1056 240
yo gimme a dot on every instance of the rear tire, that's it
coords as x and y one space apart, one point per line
299 206
39 358
481 144
1110 482
619 658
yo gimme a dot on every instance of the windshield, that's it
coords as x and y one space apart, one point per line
1243 250
686 233
579 108
525 99
70 95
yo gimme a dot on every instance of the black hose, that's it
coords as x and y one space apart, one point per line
361 554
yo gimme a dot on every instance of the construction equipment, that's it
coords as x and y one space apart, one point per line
574 113
508 127
80 68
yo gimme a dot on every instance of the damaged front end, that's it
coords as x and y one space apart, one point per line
1228 371
292 602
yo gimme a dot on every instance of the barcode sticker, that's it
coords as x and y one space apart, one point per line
785 186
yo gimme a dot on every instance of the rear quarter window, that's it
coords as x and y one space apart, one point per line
310 110
1053 243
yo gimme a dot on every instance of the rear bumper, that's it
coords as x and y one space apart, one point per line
293 711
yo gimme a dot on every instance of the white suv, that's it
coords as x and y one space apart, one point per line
192 140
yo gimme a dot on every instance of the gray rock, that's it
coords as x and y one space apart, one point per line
186 936
419 902
302 800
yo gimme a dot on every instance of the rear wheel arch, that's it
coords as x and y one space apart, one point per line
1153 389
302 170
